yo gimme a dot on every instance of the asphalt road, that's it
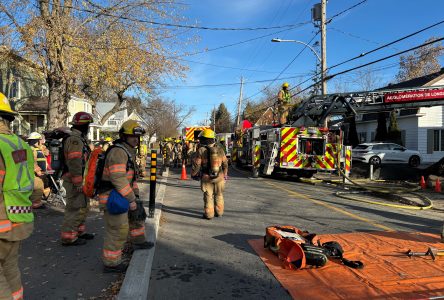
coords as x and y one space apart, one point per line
211 259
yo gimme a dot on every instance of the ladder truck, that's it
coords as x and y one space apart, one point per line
306 147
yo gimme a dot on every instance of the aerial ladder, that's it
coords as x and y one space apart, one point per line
307 146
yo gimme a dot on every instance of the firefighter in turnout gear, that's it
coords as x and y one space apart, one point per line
141 158
120 174
210 165
40 168
16 217
75 154
284 103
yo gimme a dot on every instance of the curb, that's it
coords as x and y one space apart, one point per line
137 278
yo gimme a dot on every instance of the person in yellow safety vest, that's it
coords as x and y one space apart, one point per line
212 169
284 103
76 152
40 168
16 217
141 158
120 174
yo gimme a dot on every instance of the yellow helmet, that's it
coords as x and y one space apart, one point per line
108 139
285 85
208 133
222 139
5 107
132 127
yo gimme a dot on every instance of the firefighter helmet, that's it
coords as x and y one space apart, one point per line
35 136
108 139
132 127
208 133
81 118
5 107
285 85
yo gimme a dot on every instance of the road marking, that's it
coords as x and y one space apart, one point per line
342 211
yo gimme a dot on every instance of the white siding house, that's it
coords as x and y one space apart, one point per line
421 129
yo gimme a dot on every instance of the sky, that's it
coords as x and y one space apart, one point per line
360 29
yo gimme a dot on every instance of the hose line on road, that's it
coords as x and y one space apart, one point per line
383 192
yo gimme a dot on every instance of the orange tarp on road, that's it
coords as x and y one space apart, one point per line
388 272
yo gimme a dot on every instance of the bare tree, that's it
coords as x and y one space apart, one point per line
421 62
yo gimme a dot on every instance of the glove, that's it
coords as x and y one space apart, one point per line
139 214
195 177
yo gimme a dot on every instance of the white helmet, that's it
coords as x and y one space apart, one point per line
35 136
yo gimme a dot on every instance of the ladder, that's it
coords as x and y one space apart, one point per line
270 160
318 107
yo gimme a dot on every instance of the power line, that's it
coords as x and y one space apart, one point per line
371 63
223 84
286 67
353 69
344 11
388 44
241 42
234 68
103 13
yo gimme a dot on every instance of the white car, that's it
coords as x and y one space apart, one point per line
379 153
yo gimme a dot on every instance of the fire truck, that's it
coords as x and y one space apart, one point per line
191 133
306 146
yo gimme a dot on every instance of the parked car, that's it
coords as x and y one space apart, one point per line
379 153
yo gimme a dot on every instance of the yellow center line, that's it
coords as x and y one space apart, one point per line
332 207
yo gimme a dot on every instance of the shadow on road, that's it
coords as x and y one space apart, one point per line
182 212
239 240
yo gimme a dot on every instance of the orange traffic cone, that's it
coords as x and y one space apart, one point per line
438 186
422 183
184 172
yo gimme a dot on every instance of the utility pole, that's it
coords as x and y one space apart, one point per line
324 45
239 103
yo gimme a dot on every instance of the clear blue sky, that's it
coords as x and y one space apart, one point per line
361 29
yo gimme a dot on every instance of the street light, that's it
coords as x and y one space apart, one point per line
324 88
277 40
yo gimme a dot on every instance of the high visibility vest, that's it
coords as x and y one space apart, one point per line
19 178
41 158
286 96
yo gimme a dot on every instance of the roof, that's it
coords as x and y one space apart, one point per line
35 104
104 107
426 80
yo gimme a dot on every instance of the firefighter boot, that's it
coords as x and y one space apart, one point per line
87 236
120 268
78 242
144 245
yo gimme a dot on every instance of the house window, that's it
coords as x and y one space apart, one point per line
112 122
14 90
362 137
437 139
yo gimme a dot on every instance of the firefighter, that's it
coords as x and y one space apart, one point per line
284 99
169 147
178 152
40 167
141 158
120 173
204 164
107 143
16 184
76 152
